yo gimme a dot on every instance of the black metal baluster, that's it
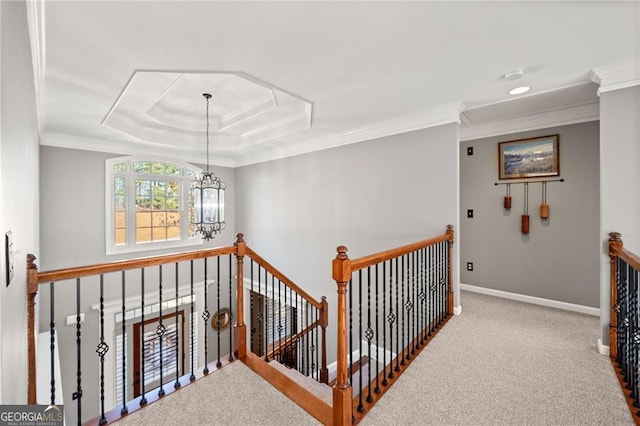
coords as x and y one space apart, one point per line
409 306
443 281
251 309
416 306
420 300
273 317
160 331
77 395
632 330
124 409
351 338
391 319
316 368
279 322
425 294
377 389
307 346
143 399
432 291
398 283
52 342
384 325
403 279
262 315
297 342
360 406
287 326
636 340
218 363
176 385
192 377
266 314
205 317
101 350
231 328
369 332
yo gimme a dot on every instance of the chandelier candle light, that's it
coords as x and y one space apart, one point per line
207 195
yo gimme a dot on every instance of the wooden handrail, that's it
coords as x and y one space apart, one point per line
370 260
124 265
343 268
630 258
293 339
280 276
239 249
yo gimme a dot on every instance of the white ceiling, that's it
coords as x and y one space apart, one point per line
359 70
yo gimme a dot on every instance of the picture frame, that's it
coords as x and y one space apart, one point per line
529 158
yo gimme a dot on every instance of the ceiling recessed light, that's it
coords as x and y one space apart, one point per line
513 75
519 90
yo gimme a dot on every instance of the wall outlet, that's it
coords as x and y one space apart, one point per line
469 150
9 262
469 266
470 213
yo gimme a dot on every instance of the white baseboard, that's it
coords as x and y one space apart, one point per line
457 310
532 299
603 349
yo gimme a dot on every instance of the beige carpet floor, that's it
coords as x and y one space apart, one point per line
499 363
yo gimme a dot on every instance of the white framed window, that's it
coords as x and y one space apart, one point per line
148 204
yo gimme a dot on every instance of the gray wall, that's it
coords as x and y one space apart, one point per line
369 196
72 200
559 259
619 181
18 192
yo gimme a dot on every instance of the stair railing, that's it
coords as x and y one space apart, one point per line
624 327
286 324
177 292
390 305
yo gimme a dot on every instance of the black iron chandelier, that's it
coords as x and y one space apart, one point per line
207 195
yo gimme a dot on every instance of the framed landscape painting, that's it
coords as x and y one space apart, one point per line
528 158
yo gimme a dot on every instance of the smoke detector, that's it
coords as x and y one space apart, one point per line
513 75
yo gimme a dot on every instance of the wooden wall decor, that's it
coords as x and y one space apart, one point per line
544 207
507 198
524 222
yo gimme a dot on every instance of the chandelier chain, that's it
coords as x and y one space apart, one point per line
207 98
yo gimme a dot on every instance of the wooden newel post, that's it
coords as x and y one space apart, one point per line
324 322
342 401
450 234
615 243
241 327
32 292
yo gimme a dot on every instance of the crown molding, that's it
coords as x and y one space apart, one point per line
617 76
549 118
439 116
36 25
60 140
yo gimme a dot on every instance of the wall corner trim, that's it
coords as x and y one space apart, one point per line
603 349
532 299
617 76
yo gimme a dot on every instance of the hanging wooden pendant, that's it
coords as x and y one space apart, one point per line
524 227
544 207
507 198
524 223
544 211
